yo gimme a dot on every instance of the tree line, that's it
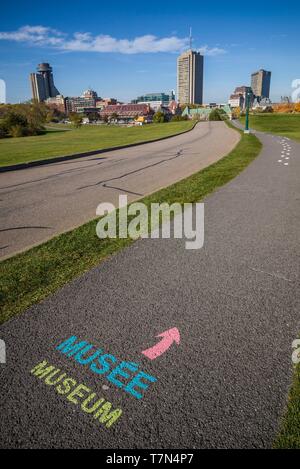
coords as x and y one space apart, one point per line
25 119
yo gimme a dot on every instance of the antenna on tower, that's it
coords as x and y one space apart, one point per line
191 39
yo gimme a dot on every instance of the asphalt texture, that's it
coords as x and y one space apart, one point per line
40 202
235 303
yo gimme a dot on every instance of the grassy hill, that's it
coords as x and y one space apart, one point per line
61 141
281 124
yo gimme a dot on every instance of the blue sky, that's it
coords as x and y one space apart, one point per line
126 48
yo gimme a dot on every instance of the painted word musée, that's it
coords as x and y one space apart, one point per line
124 375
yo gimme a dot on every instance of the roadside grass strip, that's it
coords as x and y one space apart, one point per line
29 277
289 434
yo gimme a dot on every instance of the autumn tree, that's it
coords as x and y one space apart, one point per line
297 107
75 119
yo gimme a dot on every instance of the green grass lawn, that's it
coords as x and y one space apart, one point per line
29 277
281 124
289 435
56 142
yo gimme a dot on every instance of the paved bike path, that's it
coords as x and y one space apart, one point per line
235 303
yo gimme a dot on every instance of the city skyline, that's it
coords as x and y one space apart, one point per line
143 47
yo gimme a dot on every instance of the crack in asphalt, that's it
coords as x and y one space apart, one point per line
51 176
178 154
272 274
120 189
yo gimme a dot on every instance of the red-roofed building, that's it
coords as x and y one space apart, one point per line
127 111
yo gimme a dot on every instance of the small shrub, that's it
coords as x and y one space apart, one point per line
32 130
214 115
3 131
159 117
18 131
14 119
178 118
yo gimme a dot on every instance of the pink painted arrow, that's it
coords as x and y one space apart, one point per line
168 337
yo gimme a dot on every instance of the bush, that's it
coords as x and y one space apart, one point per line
215 115
18 130
75 119
19 120
3 131
32 130
159 117
179 118
13 119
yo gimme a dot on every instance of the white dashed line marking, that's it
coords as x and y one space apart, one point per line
285 150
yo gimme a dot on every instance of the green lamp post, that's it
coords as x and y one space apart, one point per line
246 130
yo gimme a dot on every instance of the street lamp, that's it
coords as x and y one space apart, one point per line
246 130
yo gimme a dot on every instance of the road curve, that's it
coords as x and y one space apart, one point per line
38 203
235 303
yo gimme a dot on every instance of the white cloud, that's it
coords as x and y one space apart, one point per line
43 36
205 50
34 34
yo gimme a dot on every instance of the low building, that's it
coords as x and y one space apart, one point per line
90 94
202 113
262 104
87 101
102 103
199 113
58 102
236 100
239 97
155 100
126 112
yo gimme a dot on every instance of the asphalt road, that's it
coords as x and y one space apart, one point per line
235 303
38 203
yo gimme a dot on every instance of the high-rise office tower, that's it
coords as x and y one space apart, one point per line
42 83
260 83
190 78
